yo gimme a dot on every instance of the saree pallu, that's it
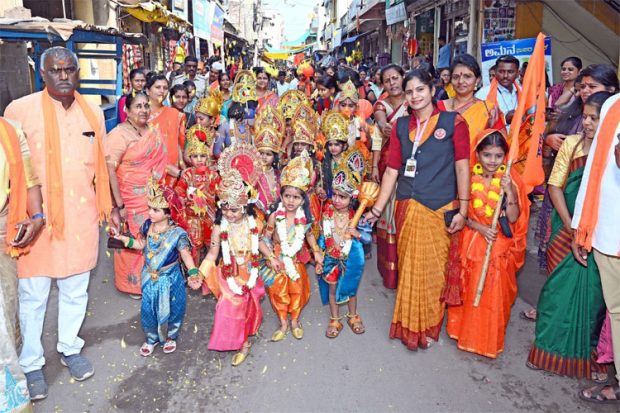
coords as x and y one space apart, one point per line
482 329
142 159
171 125
422 257
236 316
270 98
571 308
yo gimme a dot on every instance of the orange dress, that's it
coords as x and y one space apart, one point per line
481 329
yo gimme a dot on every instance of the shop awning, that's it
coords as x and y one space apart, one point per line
352 39
153 12
296 43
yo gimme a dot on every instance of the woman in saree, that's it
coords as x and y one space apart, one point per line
225 89
388 110
481 329
570 308
169 121
429 181
135 151
263 93
480 115
137 80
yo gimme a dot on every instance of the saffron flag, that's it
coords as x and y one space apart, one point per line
528 123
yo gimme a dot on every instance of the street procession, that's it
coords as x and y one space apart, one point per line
309 206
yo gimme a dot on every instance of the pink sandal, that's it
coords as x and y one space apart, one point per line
147 349
170 346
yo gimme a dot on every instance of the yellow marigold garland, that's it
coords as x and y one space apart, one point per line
484 199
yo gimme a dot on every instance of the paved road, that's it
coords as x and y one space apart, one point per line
367 373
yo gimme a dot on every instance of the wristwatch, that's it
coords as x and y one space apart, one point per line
38 215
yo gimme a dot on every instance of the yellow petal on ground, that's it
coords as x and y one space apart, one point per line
264 370
123 344
195 328
107 253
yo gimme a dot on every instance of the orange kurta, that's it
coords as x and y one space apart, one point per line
57 258
481 329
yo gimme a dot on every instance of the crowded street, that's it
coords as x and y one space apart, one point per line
309 206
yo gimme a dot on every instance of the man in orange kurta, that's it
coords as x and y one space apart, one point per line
67 249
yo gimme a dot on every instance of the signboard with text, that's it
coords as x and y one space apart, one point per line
521 49
396 14
217 24
180 8
202 20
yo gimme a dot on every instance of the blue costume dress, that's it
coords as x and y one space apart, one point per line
347 270
163 285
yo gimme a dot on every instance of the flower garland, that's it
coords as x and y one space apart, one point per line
330 243
290 250
228 269
483 201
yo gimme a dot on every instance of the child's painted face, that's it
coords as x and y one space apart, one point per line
341 200
266 157
335 147
157 215
347 107
292 198
491 158
233 213
198 160
299 147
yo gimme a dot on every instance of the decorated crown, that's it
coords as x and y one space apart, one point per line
303 133
349 91
290 101
199 140
212 104
308 114
231 189
156 194
297 172
244 88
349 172
335 127
268 115
268 138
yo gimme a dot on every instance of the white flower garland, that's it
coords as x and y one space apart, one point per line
232 283
290 250
328 224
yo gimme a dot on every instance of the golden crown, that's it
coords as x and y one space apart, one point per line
244 88
349 91
231 189
268 138
303 133
212 104
155 194
307 113
335 127
268 115
349 172
297 172
199 140
290 101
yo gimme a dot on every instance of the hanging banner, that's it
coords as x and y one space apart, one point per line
396 14
179 8
202 19
217 24
521 49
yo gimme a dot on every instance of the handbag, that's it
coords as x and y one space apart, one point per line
117 244
449 215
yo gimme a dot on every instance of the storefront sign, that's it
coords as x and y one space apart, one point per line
337 37
202 21
396 14
521 49
217 24
179 8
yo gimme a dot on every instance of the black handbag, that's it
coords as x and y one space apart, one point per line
117 244
449 215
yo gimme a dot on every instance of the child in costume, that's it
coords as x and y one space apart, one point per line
481 329
287 105
357 112
334 127
207 114
163 285
235 280
344 254
196 188
286 276
242 110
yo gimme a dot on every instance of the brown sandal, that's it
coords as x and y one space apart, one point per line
355 322
334 327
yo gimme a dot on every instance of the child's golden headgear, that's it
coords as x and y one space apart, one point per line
199 140
238 162
270 116
303 133
335 127
290 101
244 88
268 138
349 172
212 104
298 172
349 91
307 113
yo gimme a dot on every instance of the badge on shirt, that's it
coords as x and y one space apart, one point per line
410 168
440 133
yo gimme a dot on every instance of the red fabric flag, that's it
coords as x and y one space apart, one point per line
528 123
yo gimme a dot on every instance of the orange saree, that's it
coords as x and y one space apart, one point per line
137 158
171 125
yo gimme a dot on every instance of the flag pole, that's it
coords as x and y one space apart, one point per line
487 257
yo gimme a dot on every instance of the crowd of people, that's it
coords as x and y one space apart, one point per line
233 183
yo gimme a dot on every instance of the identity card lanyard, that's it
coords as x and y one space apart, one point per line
411 164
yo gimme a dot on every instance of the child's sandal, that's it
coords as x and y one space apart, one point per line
147 349
170 346
355 322
334 327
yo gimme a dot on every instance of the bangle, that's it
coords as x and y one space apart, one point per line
464 199
461 214
192 271
512 203
37 216
129 243
375 212
316 248
271 256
